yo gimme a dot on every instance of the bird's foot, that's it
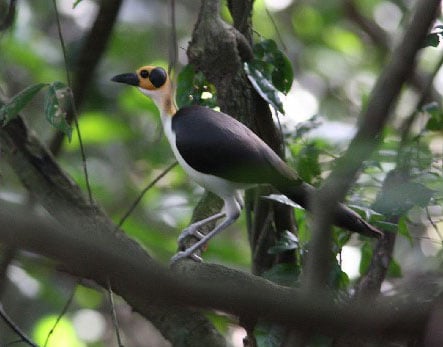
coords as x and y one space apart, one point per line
188 253
189 231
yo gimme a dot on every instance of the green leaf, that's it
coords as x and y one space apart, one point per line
10 110
403 230
282 199
431 40
307 162
337 277
287 242
185 86
57 102
394 269
399 199
367 213
193 88
276 65
263 85
386 226
366 257
435 121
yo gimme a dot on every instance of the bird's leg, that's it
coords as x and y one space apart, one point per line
232 212
193 228
190 251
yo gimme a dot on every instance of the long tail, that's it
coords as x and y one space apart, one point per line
344 216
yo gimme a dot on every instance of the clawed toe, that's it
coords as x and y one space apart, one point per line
189 232
185 254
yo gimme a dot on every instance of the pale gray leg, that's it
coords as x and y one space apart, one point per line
193 228
232 212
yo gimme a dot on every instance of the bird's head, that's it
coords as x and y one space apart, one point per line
153 81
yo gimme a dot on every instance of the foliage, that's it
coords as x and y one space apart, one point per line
193 89
57 103
334 65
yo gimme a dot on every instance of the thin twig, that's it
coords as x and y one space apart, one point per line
277 30
74 109
143 192
62 313
7 21
10 323
173 46
114 314
424 95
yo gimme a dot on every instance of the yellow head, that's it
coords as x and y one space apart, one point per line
153 81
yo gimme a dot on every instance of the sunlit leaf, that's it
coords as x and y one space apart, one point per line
18 102
99 128
344 41
63 335
193 88
263 86
88 297
57 102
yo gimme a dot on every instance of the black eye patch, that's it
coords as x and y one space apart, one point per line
144 73
158 77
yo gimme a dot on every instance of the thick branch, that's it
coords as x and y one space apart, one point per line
203 285
63 199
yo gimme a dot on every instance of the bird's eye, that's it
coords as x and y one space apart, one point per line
158 77
144 73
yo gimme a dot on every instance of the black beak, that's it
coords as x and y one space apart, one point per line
127 78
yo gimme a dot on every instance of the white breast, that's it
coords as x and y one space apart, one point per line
219 186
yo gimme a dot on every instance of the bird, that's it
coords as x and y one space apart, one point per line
225 157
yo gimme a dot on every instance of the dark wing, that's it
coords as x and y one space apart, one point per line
215 143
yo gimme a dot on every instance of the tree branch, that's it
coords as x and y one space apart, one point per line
93 48
10 323
84 242
63 199
367 138
202 285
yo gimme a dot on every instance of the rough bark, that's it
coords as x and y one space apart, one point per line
219 51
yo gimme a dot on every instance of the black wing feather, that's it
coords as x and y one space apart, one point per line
214 143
